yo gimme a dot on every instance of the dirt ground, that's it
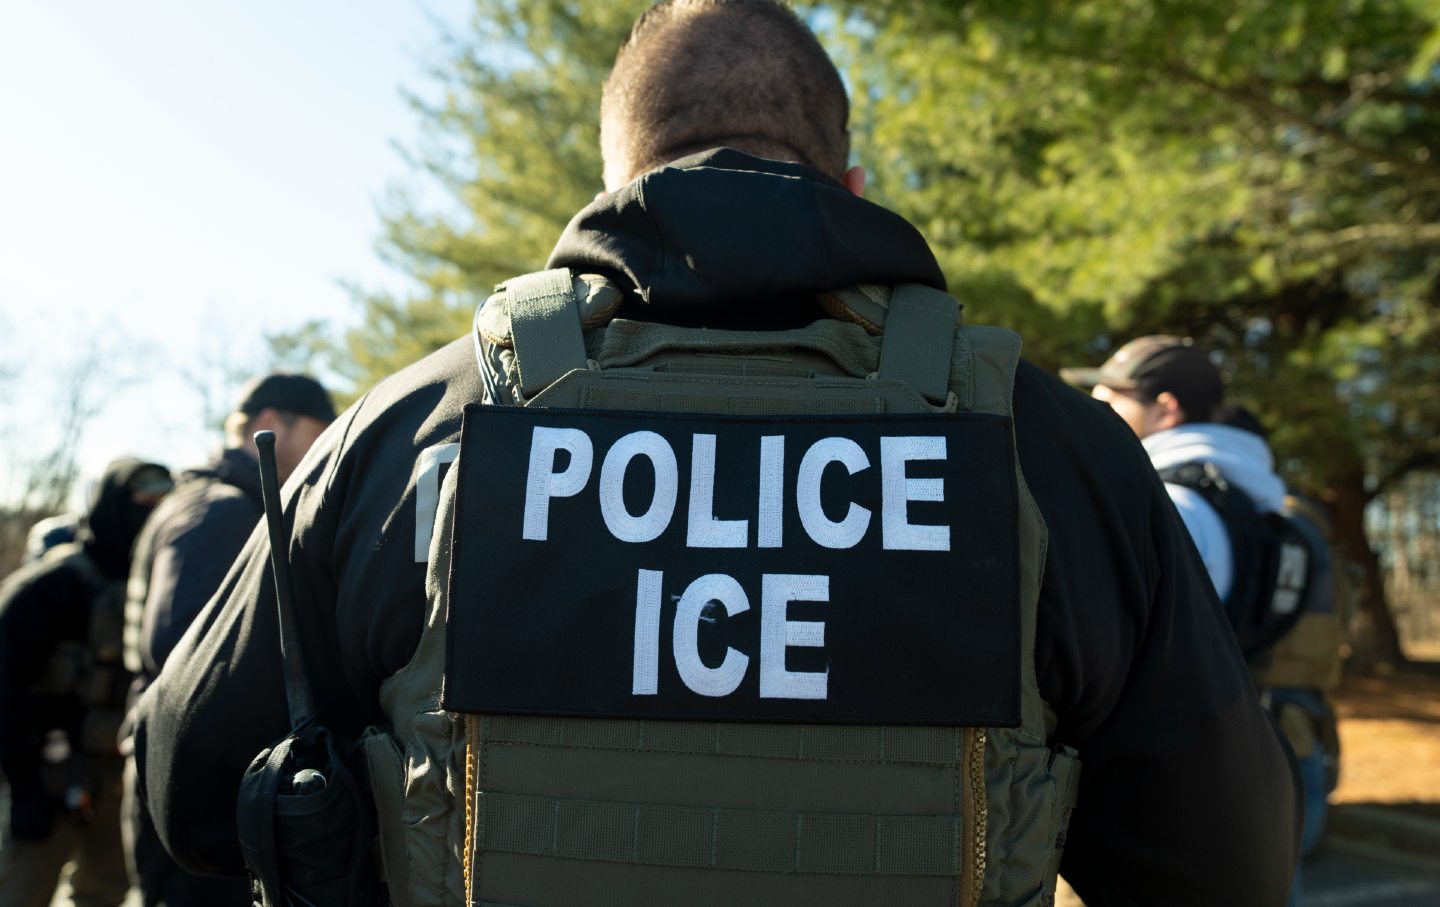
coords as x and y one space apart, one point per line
1390 740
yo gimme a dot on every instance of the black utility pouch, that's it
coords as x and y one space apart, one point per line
306 837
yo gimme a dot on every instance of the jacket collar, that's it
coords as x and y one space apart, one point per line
233 466
723 229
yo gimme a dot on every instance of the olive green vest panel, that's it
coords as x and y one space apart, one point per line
552 811
417 767
1310 656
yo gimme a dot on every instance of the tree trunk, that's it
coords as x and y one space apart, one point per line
1376 642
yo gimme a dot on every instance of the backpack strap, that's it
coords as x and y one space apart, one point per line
545 323
919 335
1272 561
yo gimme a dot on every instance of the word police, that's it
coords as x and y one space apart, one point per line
798 491
544 483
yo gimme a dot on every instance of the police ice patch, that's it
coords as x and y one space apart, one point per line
857 570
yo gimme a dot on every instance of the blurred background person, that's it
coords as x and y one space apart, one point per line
62 697
182 555
1167 390
1267 570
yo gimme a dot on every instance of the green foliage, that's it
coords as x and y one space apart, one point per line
1258 175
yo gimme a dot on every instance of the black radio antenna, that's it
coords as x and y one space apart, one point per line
298 696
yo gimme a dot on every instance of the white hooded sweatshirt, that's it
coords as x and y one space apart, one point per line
1243 458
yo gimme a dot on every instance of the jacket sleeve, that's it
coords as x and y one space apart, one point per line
37 608
220 698
1187 796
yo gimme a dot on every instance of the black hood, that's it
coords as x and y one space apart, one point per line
108 529
233 466
721 230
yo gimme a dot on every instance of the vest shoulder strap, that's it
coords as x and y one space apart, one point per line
919 335
545 325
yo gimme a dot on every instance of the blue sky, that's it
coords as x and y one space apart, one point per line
178 178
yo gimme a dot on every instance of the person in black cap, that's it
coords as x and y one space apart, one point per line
1219 471
62 696
1169 392
181 558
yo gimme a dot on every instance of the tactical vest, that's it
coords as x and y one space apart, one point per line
522 806
1310 655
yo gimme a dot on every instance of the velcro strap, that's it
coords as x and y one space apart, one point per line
706 837
919 335
545 323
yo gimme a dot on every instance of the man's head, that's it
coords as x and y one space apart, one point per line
1154 383
745 74
295 407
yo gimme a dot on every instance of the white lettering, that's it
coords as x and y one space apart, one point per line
898 532
697 599
1290 578
649 525
645 671
542 482
848 532
769 527
704 530
778 632
427 494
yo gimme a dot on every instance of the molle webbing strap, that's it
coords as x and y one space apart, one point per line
919 333
842 814
697 837
546 326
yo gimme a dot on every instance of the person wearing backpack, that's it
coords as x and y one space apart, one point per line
722 563
62 697
1167 389
1270 566
1221 478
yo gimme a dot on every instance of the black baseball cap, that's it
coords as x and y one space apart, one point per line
289 393
1155 365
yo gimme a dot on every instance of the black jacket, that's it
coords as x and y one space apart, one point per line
1186 795
185 550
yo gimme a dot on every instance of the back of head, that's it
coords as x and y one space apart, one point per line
119 503
1159 364
699 74
286 393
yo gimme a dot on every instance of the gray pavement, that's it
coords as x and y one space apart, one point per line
1352 873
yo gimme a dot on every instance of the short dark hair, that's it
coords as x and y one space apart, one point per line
698 74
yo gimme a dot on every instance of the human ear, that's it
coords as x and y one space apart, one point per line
1168 413
854 180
